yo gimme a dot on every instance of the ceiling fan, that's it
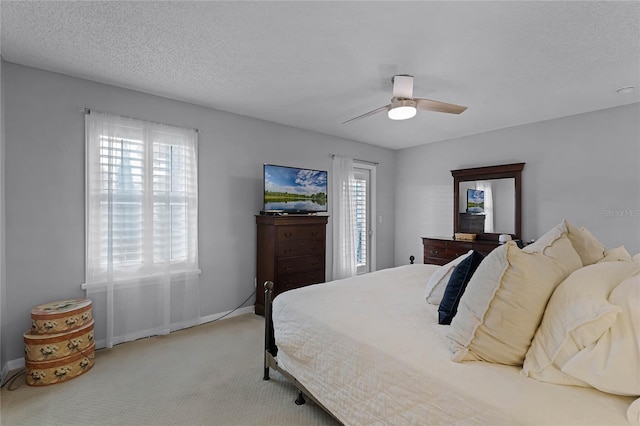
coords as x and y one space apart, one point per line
403 105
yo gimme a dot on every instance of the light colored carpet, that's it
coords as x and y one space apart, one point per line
205 375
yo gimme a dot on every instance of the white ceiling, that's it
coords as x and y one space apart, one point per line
314 65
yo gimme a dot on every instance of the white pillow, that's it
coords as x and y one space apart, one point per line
440 278
504 302
612 365
618 254
588 247
636 257
577 315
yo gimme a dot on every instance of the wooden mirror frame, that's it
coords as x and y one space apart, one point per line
485 173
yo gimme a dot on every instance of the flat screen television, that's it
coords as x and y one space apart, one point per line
475 201
294 190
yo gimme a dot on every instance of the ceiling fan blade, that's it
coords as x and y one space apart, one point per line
430 105
402 86
382 108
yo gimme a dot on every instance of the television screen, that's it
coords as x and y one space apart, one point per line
475 201
294 190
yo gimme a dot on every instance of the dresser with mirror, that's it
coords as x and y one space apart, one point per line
487 202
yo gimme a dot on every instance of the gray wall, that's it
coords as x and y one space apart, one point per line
3 299
45 188
584 168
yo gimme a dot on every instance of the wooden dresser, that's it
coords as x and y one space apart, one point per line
441 250
471 223
291 253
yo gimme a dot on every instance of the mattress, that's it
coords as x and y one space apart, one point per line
369 349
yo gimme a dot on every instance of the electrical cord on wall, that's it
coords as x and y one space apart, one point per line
13 378
10 381
235 309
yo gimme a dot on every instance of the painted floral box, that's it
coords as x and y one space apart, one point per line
42 373
60 316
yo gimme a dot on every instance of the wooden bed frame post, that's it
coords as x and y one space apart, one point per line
268 295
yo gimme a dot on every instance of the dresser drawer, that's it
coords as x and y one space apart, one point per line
293 233
441 250
291 281
446 249
294 265
300 248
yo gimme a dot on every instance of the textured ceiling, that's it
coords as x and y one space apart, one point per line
314 65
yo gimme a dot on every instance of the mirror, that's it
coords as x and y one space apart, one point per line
487 201
487 206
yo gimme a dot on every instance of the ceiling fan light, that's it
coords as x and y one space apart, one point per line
402 109
402 112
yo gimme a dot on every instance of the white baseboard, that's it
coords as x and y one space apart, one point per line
15 364
19 362
4 372
11 365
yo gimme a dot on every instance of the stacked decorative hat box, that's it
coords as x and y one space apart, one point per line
60 344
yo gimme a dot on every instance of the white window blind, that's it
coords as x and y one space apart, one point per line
142 196
360 191
142 218
121 191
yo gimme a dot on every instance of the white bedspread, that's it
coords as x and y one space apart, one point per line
369 348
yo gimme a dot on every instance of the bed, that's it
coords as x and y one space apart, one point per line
370 350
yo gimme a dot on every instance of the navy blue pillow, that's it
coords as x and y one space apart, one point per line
455 288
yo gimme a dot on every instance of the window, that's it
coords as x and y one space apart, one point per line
141 197
364 181
141 226
360 191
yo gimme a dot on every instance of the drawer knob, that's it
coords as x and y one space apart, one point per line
288 234
434 252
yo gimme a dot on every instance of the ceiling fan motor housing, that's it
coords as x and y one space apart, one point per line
402 86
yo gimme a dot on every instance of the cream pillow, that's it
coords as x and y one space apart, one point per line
577 315
440 278
588 247
504 302
612 365
618 254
